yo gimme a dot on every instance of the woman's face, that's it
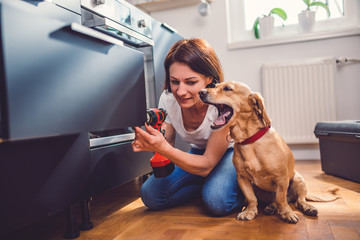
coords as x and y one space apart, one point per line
185 84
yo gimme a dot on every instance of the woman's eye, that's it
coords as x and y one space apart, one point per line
226 88
191 83
175 82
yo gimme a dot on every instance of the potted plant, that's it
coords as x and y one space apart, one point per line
264 25
307 17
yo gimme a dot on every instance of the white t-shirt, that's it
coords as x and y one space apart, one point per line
197 138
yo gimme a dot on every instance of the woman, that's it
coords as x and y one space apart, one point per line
207 169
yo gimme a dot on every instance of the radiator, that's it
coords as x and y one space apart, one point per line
298 94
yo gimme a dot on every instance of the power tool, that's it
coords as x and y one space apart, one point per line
162 167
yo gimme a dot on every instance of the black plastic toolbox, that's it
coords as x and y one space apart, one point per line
340 148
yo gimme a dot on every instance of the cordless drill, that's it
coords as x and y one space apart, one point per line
162 167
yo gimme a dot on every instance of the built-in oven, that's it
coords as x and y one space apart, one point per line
121 20
112 160
73 84
75 77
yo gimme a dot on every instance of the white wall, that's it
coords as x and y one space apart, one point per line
244 64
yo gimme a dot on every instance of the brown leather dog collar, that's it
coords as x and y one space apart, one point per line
256 136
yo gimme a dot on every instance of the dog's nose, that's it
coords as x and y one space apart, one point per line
203 93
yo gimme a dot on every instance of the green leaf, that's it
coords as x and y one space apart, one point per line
307 2
280 12
256 28
321 4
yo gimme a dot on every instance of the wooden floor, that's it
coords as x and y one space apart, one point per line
120 214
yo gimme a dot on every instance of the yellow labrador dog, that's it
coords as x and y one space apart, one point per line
262 159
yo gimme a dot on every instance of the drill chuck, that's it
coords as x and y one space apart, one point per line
155 117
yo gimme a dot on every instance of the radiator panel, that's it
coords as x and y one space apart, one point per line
298 94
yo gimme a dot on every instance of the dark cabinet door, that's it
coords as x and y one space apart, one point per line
108 171
41 177
57 81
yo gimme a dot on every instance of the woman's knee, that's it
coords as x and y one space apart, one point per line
151 198
219 204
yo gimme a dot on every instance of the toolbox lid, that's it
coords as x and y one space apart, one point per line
350 128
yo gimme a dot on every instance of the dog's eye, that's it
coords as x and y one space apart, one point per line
226 88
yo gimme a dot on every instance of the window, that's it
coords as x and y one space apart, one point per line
241 15
255 8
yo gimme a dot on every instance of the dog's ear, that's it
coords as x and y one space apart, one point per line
256 101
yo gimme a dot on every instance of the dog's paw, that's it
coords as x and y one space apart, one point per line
311 212
270 209
289 217
307 208
247 215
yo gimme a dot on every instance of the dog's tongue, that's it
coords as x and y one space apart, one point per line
221 120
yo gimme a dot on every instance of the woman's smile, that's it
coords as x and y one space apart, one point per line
184 100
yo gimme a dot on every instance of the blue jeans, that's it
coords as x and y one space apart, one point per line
220 191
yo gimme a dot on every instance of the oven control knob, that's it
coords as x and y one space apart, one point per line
99 2
142 23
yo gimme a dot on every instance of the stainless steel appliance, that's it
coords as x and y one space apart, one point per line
123 21
75 77
119 21
61 80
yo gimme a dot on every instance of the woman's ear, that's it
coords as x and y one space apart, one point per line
208 80
211 84
256 101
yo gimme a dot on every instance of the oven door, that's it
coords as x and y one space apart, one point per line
107 170
60 78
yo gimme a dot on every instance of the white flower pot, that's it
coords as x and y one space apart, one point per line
266 25
306 20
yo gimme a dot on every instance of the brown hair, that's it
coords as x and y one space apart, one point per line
198 55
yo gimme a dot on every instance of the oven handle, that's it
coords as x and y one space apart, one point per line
76 27
116 139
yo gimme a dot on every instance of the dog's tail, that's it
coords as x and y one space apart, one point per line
327 198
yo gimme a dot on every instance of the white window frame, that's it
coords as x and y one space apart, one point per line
239 37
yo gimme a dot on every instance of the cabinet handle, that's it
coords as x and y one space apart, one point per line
96 142
322 133
95 34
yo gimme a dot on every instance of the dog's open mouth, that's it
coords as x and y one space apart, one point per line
225 114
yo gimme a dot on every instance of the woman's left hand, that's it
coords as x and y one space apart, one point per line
149 140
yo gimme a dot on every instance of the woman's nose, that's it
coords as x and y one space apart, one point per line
181 89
